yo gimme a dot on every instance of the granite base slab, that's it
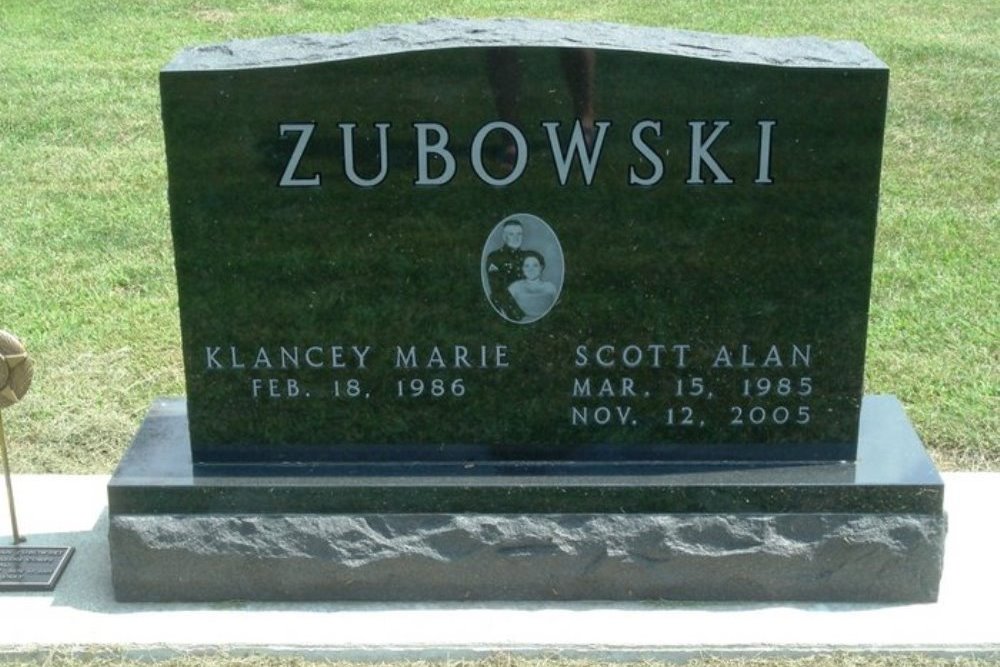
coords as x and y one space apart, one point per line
541 557
870 530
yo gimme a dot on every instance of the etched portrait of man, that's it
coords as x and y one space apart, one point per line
503 268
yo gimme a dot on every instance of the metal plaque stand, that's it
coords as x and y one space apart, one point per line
10 487
22 568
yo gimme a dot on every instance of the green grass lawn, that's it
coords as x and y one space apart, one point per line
86 265
60 659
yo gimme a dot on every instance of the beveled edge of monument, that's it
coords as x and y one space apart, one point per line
294 50
893 474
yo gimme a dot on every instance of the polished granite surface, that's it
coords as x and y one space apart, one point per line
893 474
703 228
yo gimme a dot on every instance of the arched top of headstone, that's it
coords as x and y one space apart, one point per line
810 52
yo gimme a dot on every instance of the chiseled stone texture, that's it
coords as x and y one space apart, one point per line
784 557
291 50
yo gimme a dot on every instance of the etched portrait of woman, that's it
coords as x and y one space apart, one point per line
532 293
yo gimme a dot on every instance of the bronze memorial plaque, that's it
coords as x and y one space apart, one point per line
32 568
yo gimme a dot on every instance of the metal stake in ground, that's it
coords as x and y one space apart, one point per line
16 371
10 488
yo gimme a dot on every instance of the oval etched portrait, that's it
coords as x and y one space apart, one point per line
523 268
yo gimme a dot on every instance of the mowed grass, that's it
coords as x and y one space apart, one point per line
86 266
65 659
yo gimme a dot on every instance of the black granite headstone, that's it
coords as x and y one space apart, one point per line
525 310
390 248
